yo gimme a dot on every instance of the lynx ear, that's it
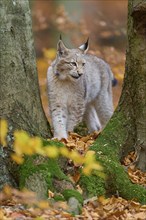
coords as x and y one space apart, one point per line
84 47
61 48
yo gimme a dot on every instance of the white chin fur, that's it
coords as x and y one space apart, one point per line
62 77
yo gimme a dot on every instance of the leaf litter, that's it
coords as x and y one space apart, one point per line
21 205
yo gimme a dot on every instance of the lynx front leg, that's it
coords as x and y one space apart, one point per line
59 121
91 119
75 116
104 107
72 122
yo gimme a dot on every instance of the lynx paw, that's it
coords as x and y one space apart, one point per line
60 136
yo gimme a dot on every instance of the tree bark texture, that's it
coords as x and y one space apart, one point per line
20 102
133 98
136 73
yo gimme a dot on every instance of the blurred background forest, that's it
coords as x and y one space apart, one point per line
103 21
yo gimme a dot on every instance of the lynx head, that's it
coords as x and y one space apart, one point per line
70 63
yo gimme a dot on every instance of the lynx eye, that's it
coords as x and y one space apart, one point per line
73 63
83 64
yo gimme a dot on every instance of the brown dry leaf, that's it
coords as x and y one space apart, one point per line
90 142
80 145
93 199
73 135
143 208
140 215
103 200
2 212
24 196
7 190
135 205
85 139
135 175
50 194
87 214
112 208
71 145
17 215
79 189
76 177
61 205
43 204
130 158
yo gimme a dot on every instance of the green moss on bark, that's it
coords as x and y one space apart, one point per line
116 181
108 154
46 170
59 198
92 185
68 193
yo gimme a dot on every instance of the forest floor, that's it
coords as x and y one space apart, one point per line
21 205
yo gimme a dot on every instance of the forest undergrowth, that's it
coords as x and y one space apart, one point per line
24 204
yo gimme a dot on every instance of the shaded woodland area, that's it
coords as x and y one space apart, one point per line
95 176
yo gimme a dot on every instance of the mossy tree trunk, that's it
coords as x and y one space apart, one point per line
126 130
136 66
20 102
131 128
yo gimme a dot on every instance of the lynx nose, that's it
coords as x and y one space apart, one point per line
79 74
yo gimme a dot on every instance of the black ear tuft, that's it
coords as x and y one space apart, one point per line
86 44
61 48
84 47
60 38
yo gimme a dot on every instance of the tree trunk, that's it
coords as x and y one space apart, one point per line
20 97
133 99
126 130
136 65
20 102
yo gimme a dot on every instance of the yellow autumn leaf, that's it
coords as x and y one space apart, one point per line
18 159
90 163
43 204
3 131
49 53
51 151
103 200
90 157
76 157
92 166
96 166
42 64
21 142
64 152
2 214
34 146
87 170
7 190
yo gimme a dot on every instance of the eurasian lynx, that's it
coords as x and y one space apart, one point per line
79 88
